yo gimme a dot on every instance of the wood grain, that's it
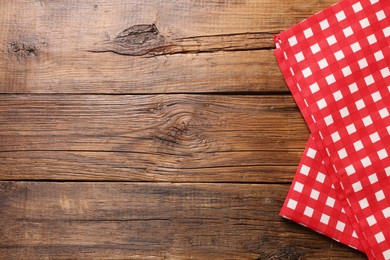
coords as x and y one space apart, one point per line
153 221
174 138
182 102
220 167
100 46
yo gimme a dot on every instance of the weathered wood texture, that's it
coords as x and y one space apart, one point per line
207 138
101 46
161 91
153 221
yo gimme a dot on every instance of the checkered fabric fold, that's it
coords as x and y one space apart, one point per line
336 64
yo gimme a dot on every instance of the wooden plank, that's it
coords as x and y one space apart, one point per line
215 167
154 221
161 123
100 46
150 137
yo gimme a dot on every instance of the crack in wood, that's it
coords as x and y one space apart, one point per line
146 40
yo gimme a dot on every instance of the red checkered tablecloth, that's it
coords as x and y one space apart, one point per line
336 64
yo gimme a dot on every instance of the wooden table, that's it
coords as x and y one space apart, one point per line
136 129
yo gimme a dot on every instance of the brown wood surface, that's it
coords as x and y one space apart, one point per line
155 129
153 221
130 46
174 138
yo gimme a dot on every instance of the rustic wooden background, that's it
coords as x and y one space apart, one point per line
135 129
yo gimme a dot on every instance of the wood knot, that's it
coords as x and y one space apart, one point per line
138 34
137 40
176 130
281 252
22 50
183 131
